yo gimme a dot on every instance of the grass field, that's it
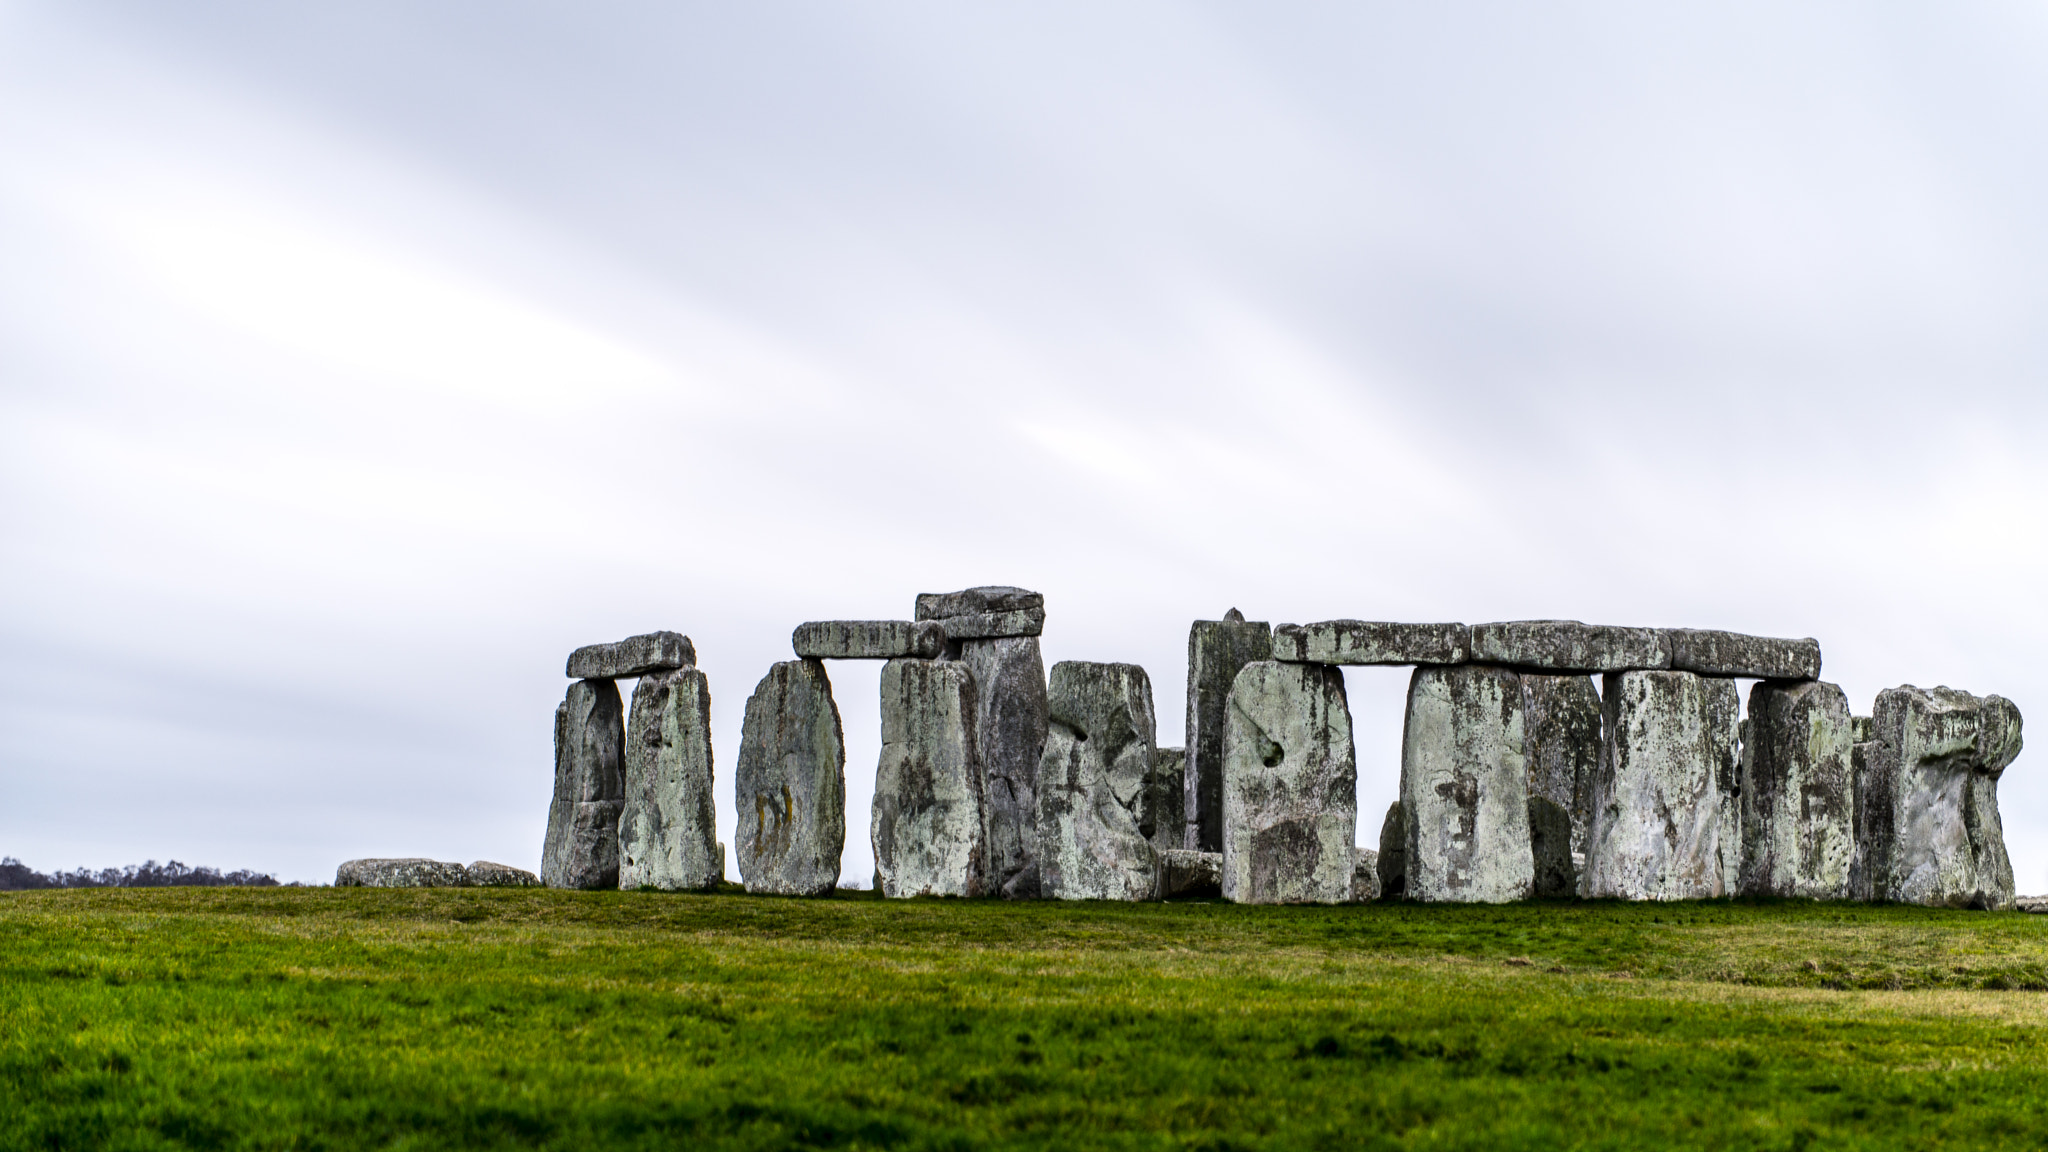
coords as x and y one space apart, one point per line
345 1018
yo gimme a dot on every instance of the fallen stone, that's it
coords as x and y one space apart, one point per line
668 829
1733 654
1169 827
485 874
1184 872
1670 752
1799 792
1365 876
1010 725
1935 836
1097 795
582 845
582 848
1569 646
789 784
1371 642
1393 863
2034 904
927 825
1465 787
867 640
634 656
1217 651
1290 787
986 600
401 872
1561 739
1554 869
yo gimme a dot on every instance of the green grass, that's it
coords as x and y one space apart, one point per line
345 1018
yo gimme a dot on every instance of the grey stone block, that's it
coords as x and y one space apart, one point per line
1665 767
990 625
1465 786
1569 646
985 600
1798 792
1371 642
1393 862
927 826
1010 726
1861 729
1184 872
634 656
1169 828
1554 869
1712 653
1873 820
401 872
1561 738
1096 791
485 874
789 784
582 845
867 640
668 829
1290 787
1217 651
1934 834
582 848
1365 876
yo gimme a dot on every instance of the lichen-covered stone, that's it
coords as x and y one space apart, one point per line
668 828
1096 790
1554 872
1184 872
1873 821
1465 786
634 656
1217 651
1669 754
985 600
1290 787
401 872
789 784
1798 792
1393 861
1561 739
1365 876
1569 646
867 639
1010 718
927 826
582 845
485 874
1934 834
1711 653
1371 642
1169 828
990 625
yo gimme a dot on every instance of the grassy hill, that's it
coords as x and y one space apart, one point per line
319 1018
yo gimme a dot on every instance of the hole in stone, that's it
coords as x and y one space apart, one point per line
1274 755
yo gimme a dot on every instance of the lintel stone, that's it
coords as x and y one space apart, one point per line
633 656
868 640
1711 653
1371 642
1570 646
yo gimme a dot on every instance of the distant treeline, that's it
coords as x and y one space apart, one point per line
16 876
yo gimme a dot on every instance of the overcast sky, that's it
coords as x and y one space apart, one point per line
359 360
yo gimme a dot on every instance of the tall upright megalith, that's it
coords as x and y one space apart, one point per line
1097 794
1561 735
668 830
1169 828
1666 762
582 845
1217 651
1290 786
1933 833
927 825
790 784
1465 787
1798 795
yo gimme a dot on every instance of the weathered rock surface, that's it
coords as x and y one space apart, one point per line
668 830
1862 729
789 784
1569 646
989 625
1097 796
1184 872
1290 800
927 827
1554 870
1934 835
582 845
1371 642
1873 821
1365 876
485 874
1393 862
2034 904
867 639
1169 815
985 600
1010 725
1465 787
1217 651
401 872
1712 653
634 656
1561 739
1667 764
1798 793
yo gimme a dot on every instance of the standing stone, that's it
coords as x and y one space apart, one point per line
1561 738
1554 873
1290 787
668 831
1217 651
1934 834
582 845
1798 792
1393 862
1169 827
1183 872
1096 791
1365 876
1873 814
790 784
1465 787
1010 725
1667 761
927 826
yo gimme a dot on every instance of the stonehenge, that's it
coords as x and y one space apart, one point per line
1520 776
